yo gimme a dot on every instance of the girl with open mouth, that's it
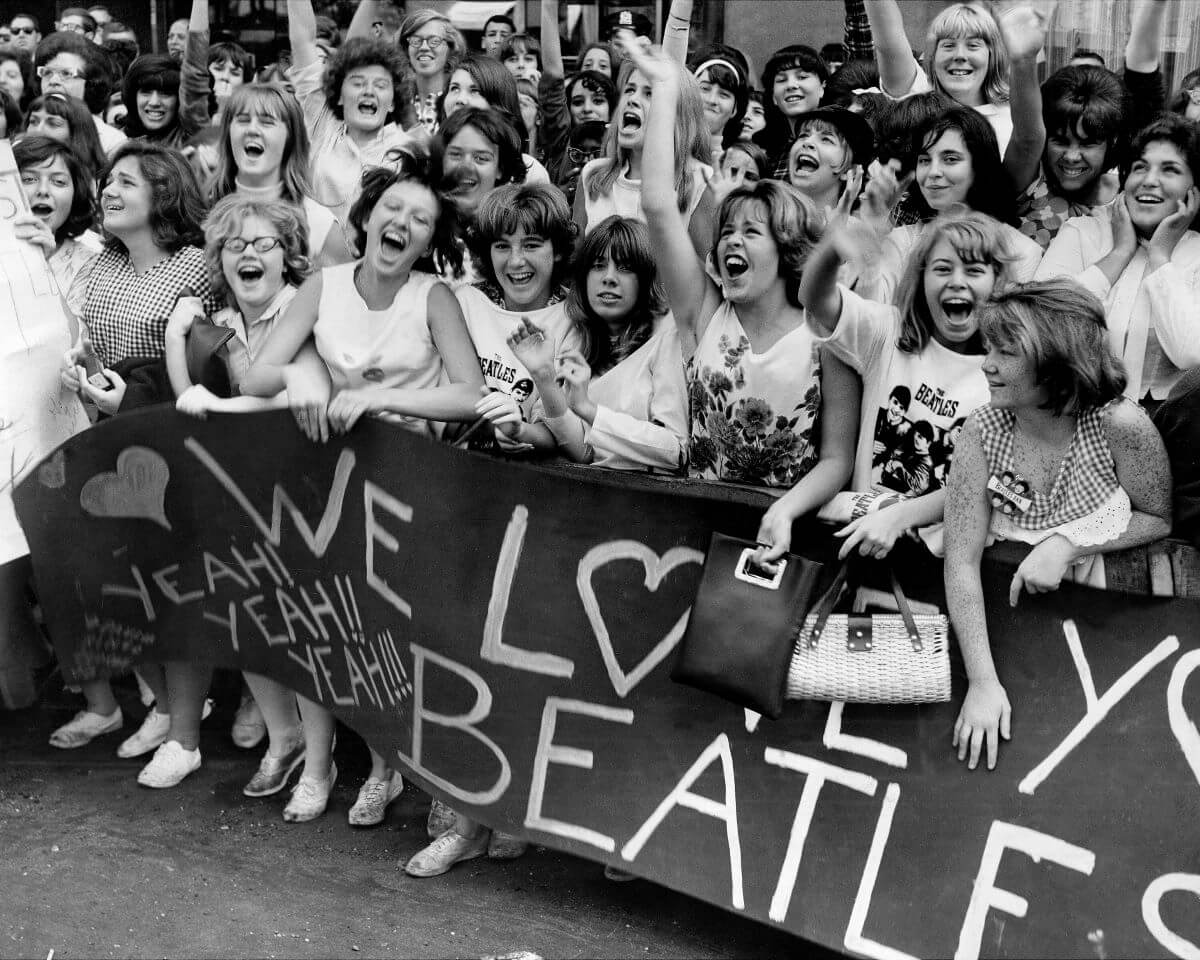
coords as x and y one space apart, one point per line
396 346
613 184
757 380
351 108
965 58
919 362
263 153
957 165
1140 255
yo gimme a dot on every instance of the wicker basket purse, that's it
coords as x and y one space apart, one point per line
870 658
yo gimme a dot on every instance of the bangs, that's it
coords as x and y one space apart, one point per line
722 76
822 126
257 99
961 22
159 83
531 213
625 245
1006 328
799 61
972 244
744 199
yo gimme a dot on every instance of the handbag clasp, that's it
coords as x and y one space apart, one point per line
858 634
747 570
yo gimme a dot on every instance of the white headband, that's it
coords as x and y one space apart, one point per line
718 62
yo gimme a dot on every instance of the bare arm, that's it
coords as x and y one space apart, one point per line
365 14
819 292
897 66
841 398
334 250
265 378
302 33
678 30
1143 470
1023 36
552 61
1145 36
985 714
693 296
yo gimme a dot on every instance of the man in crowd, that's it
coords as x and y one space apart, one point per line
177 40
26 32
497 30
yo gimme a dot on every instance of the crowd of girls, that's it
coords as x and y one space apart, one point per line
875 289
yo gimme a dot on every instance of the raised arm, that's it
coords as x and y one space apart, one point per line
1024 35
819 292
366 13
552 61
897 66
1145 36
302 33
857 38
985 714
678 30
194 82
693 296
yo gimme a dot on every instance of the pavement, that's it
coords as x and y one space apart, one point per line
96 866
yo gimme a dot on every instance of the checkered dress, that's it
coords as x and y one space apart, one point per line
1086 480
126 313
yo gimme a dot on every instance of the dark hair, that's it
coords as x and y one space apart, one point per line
538 208
494 127
776 136
834 52
84 138
96 79
1085 53
736 82
121 53
596 82
35 150
519 44
1180 99
614 61
89 22
850 76
757 155
11 111
177 209
496 86
150 71
1060 328
991 189
327 30
378 180
1170 128
1088 99
902 393
24 63
627 243
499 18
364 52
28 16
236 54
899 124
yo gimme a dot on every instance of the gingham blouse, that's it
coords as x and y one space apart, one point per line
1086 503
126 312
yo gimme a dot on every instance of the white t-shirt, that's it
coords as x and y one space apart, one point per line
913 404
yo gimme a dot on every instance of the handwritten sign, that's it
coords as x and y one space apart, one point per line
505 633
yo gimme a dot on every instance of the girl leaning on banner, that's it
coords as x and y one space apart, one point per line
1058 459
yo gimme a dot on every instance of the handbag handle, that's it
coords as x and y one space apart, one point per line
826 604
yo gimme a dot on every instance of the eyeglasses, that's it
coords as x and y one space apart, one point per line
53 73
72 27
578 156
260 244
27 31
1194 95
434 43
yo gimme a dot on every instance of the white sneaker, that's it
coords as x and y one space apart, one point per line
310 797
373 799
171 763
149 736
84 727
447 850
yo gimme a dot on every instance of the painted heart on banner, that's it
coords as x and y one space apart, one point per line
135 490
656 567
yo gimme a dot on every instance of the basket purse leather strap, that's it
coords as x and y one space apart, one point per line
827 602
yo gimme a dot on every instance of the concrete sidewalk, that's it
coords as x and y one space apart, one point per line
96 866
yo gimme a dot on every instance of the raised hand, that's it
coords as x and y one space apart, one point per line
574 375
528 341
841 211
650 61
881 195
1024 32
722 184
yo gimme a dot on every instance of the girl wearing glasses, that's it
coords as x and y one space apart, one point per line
432 45
350 107
397 347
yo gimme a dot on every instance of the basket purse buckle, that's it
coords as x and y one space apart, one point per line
858 634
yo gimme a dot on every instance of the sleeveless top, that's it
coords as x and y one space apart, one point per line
753 416
366 348
1086 504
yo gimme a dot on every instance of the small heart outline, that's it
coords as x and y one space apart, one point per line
656 567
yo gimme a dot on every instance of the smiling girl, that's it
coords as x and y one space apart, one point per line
394 340
919 362
263 153
957 165
161 108
1140 257
351 108
724 81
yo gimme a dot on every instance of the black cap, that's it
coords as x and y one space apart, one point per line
639 23
851 125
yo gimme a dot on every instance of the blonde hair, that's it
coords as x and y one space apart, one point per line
225 221
273 100
967 20
691 139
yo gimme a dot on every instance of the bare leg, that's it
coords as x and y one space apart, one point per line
278 706
19 637
99 696
156 679
379 767
187 687
319 727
